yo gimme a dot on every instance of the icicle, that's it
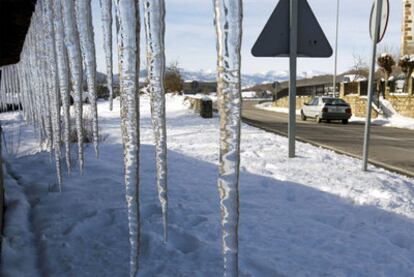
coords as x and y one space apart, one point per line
75 64
20 86
228 23
53 86
63 77
7 84
106 8
12 86
119 46
15 86
154 11
84 21
2 89
31 81
43 76
128 41
4 86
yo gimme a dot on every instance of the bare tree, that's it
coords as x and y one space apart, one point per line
173 80
386 62
406 64
359 67
390 50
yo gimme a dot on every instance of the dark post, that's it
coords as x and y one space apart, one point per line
276 88
206 110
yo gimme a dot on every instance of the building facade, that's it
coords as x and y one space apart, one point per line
407 37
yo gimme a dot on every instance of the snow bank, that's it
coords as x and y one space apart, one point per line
268 106
317 214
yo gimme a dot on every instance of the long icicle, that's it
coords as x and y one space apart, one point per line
44 76
128 45
63 71
75 64
228 23
85 28
106 14
53 90
154 11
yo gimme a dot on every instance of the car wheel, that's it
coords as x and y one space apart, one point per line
344 121
328 120
318 119
302 116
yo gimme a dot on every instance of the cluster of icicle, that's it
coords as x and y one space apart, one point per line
59 51
50 74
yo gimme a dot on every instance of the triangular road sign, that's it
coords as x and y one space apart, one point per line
274 39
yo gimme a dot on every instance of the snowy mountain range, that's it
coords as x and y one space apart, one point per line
247 79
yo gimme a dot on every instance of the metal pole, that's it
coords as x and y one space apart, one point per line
292 81
371 82
336 48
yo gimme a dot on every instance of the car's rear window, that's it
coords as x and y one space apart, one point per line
334 101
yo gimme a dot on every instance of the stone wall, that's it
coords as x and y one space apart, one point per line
359 105
300 102
403 104
355 95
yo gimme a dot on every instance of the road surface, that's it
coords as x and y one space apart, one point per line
391 148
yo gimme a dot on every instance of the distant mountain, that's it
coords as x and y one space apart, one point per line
248 80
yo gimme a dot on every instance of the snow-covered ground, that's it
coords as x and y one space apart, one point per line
391 120
315 215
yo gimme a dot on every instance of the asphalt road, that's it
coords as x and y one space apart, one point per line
391 148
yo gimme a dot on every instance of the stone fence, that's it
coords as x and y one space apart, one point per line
356 95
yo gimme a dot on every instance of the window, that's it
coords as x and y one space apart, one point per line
333 101
314 102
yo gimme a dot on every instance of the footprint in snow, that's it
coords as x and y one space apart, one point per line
183 242
91 223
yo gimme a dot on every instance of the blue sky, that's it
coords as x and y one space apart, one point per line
190 37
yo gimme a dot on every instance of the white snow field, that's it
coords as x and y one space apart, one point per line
315 215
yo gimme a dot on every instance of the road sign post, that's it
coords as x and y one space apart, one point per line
336 49
292 31
377 32
293 42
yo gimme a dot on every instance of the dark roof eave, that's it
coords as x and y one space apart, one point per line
15 18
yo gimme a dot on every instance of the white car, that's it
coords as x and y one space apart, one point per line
326 108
